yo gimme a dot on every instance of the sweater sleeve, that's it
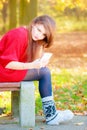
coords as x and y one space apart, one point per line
14 47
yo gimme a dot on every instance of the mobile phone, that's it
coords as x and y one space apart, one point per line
46 56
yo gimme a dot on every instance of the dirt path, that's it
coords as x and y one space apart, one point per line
69 50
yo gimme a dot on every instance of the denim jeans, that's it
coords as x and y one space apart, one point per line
44 77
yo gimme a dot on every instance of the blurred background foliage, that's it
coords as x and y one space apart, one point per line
70 15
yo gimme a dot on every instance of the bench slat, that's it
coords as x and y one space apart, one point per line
9 89
10 86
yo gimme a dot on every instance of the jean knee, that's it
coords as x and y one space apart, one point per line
45 72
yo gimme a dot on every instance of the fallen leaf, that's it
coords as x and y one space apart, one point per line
42 128
79 123
30 129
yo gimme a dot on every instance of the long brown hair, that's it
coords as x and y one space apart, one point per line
49 25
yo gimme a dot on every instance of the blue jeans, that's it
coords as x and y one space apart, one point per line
44 77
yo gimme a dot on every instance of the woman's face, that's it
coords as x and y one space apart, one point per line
38 32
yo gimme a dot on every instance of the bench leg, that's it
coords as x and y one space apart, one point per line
27 104
15 103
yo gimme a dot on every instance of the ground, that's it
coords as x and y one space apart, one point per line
69 50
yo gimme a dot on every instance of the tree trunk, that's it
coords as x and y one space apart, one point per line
22 12
12 14
33 9
27 11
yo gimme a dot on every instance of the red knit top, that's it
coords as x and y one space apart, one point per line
12 47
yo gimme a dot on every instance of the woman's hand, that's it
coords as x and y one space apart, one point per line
43 61
39 63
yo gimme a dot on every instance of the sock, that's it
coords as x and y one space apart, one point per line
49 108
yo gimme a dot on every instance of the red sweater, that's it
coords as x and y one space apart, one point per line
12 47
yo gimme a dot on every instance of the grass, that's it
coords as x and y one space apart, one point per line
71 93
69 90
70 24
5 101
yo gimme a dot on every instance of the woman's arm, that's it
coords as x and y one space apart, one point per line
19 65
14 65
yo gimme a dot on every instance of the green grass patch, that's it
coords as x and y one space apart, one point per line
69 90
5 101
71 93
70 24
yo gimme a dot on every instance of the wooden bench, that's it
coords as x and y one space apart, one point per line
22 101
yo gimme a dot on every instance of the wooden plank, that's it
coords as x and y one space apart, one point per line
9 89
9 86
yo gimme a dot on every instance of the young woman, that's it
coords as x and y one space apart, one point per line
22 58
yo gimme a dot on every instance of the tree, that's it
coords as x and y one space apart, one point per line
4 14
12 13
33 9
27 11
24 6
